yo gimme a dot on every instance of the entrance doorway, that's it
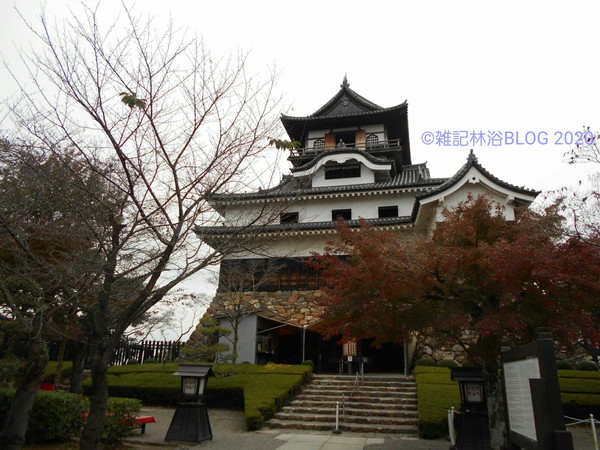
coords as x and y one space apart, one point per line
327 355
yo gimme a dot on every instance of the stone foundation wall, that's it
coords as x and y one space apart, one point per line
303 308
295 307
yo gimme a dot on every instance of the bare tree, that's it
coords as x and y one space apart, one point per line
173 123
173 319
238 285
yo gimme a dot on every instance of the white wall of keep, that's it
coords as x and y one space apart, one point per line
365 206
246 338
294 245
320 209
452 200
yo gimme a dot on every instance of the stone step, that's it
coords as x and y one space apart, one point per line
358 397
347 418
408 430
364 381
410 404
366 377
360 393
352 410
384 404
368 388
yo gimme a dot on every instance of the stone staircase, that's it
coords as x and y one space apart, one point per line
373 404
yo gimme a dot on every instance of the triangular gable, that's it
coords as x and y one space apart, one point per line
472 174
346 102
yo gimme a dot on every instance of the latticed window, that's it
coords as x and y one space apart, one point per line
372 140
319 144
278 274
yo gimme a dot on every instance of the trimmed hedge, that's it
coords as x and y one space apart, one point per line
55 417
59 416
580 393
588 366
262 390
425 362
120 421
436 394
50 374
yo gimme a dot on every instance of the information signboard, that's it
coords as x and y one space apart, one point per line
532 392
518 395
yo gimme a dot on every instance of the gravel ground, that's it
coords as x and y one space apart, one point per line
229 433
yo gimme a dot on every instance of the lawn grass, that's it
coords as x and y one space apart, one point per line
437 393
260 389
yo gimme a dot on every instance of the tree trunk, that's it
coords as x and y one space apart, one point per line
77 371
17 419
492 384
60 361
92 432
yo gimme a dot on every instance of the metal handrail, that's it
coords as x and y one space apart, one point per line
381 145
355 388
592 422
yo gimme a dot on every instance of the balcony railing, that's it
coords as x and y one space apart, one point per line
381 145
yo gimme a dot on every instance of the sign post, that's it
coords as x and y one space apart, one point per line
533 403
472 422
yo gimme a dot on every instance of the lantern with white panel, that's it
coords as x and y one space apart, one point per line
190 422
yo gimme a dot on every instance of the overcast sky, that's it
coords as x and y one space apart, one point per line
463 66
522 67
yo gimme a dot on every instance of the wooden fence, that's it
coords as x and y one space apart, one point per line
161 351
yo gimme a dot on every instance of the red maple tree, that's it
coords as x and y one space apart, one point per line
480 281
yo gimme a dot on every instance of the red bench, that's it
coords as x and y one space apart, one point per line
143 420
140 421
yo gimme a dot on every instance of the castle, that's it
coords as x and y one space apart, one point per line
351 160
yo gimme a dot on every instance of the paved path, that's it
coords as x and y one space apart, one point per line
229 433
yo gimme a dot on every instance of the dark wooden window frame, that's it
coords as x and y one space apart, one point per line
387 211
289 217
345 170
345 214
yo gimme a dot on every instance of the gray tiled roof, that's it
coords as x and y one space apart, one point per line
305 226
410 176
473 162
342 151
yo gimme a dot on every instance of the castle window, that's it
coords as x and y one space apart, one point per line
348 138
268 275
345 214
372 140
319 144
388 211
346 170
289 217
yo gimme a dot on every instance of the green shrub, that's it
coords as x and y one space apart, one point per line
581 405
580 385
447 363
150 361
309 363
120 420
425 362
587 366
561 364
10 367
579 374
50 374
468 363
132 362
261 390
55 417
